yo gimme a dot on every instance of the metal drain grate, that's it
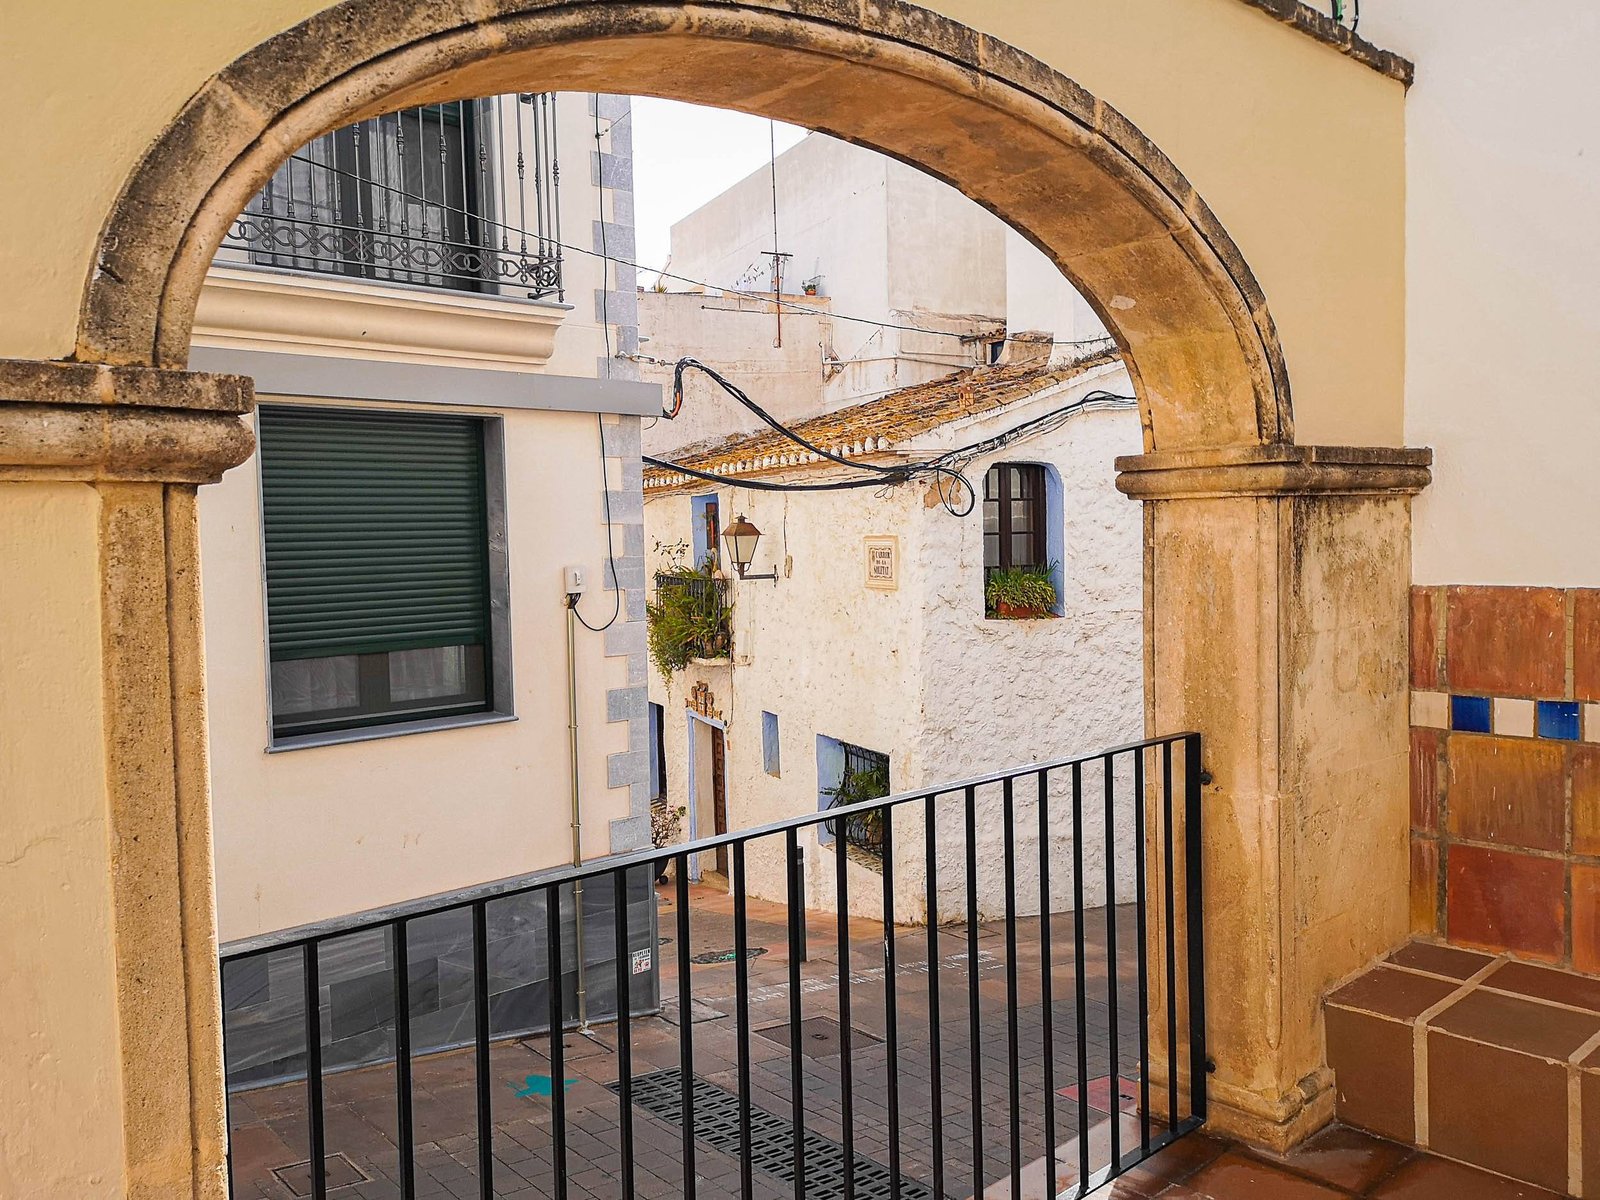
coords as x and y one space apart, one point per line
716 1123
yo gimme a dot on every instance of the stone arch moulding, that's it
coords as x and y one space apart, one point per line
1061 166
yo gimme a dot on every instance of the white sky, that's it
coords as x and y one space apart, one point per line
685 155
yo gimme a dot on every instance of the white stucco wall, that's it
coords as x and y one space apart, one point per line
1038 297
918 673
1503 287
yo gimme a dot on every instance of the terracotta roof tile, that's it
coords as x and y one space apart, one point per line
877 425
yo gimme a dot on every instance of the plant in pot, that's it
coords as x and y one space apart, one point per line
1021 593
666 829
690 618
855 787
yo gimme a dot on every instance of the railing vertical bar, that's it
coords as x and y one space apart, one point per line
558 1044
1009 860
1112 965
841 877
1078 973
313 1007
1195 931
480 1036
405 1133
974 1042
935 1052
685 1026
624 972
741 991
891 1024
1047 981
1139 856
1172 942
797 916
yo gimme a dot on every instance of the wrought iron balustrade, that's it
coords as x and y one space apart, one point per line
463 195
772 1035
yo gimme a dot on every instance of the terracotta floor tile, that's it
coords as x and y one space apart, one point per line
1548 983
1430 1178
1451 961
1347 1158
1518 1024
1238 1174
1177 1162
1392 993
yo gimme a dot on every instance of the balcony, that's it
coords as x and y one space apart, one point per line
690 619
1041 1034
461 196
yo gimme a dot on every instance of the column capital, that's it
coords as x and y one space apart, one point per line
1274 470
89 421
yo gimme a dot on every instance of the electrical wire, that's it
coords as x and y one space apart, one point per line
599 421
947 469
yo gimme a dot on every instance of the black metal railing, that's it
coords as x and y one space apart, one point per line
947 1068
462 195
863 776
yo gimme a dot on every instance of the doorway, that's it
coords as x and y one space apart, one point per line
708 790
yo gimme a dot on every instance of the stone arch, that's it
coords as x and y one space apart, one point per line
1058 164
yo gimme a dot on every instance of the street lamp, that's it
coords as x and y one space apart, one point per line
742 537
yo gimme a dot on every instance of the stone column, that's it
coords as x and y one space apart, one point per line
1276 596
110 1051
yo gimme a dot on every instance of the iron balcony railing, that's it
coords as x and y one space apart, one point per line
865 775
772 1034
462 195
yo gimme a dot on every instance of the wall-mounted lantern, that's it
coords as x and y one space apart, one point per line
742 537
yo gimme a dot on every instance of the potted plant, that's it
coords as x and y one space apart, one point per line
809 287
855 787
666 829
1021 593
690 617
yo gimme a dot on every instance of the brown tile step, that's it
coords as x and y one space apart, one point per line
1479 1058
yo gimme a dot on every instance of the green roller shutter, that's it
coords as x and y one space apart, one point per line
375 531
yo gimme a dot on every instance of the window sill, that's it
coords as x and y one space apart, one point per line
373 733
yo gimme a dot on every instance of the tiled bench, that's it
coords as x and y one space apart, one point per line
1479 1058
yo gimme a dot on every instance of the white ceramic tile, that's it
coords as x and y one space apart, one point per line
1513 718
1431 709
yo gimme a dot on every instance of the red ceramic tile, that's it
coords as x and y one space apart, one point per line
1498 1109
1424 638
1586 918
1507 641
1500 900
1346 1158
1515 1023
1430 1178
1390 992
1450 961
1585 773
1425 779
1238 1173
1510 791
1424 885
1373 1073
1586 643
1548 983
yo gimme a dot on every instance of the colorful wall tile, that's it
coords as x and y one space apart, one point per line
1505 770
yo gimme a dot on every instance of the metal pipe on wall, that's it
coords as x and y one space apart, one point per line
577 808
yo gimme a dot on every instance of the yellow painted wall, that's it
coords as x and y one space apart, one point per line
60 1089
1298 149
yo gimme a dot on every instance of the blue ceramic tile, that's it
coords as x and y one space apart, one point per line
1557 719
1471 714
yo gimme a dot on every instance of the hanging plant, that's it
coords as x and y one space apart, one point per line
690 618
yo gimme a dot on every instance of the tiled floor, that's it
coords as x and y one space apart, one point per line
269 1124
1337 1164
270 1143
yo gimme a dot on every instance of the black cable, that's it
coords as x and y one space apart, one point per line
599 421
948 467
